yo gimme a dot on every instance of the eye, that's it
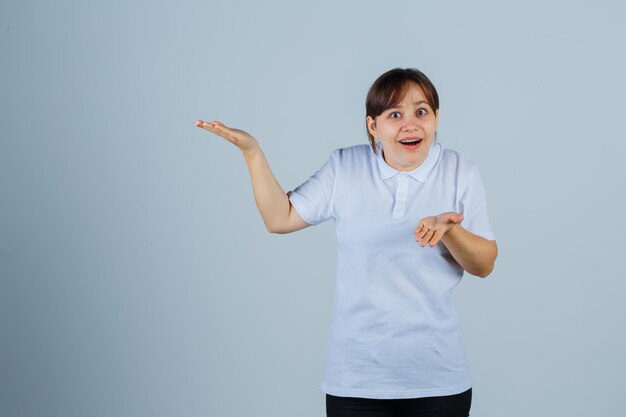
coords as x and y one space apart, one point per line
423 110
392 114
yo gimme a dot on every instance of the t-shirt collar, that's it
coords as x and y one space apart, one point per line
420 173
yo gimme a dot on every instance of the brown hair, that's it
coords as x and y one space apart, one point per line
389 89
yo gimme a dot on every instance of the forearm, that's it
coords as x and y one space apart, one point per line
474 253
270 198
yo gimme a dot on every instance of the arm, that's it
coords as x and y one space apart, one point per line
474 253
271 200
276 210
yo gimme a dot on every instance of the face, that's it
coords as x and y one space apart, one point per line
412 120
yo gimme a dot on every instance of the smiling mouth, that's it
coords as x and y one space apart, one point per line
411 142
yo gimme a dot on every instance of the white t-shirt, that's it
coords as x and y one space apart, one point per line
394 331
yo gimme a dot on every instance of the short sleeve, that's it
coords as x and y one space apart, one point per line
473 206
313 199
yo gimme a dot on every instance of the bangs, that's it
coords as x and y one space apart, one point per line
391 92
395 94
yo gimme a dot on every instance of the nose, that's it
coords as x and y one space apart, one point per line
411 122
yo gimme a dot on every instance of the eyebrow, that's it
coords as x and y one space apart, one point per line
415 104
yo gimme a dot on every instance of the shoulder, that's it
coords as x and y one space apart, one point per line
464 171
351 155
354 150
452 159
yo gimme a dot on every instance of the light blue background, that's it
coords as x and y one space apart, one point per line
136 275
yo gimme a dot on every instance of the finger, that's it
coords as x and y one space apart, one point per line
436 238
219 129
425 230
216 127
204 125
421 228
214 124
213 129
419 236
427 238
223 129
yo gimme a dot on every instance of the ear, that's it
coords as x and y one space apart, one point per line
371 126
436 119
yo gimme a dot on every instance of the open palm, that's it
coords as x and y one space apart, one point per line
243 140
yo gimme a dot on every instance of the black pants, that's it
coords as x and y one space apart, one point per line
457 405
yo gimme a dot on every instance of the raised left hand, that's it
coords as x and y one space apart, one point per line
431 229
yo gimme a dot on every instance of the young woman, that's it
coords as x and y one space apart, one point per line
411 217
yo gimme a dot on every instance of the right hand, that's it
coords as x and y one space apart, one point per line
244 141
